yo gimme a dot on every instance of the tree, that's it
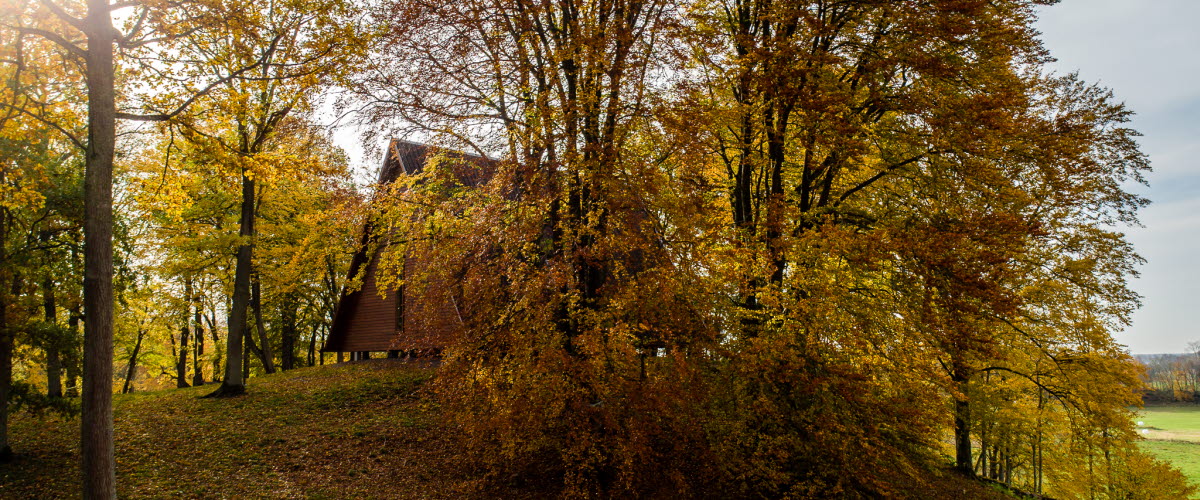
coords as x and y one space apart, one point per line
821 212
566 296
85 38
39 221
301 46
302 193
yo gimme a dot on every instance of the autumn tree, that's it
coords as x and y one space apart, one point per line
297 49
150 43
40 219
566 296
918 154
305 202
819 212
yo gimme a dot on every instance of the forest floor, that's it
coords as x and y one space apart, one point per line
1172 433
368 429
357 430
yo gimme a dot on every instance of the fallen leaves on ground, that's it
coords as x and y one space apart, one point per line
356 430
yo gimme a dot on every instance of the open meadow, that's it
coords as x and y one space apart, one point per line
1172 433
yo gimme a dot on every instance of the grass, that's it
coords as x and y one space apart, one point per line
357 430
1172 434
369 429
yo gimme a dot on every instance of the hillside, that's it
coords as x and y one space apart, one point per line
355 430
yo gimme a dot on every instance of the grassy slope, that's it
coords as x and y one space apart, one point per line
1174 435
355 430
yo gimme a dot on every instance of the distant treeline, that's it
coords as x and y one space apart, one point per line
1172 377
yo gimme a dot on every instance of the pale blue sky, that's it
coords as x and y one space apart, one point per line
1148 53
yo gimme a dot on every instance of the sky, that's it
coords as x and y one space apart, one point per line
1148 53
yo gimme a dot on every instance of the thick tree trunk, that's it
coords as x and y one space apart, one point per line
234 382
264 349
312 346
962 426
6 341
132 371
181 362
53 364
96 444
776 128
6 348
185 331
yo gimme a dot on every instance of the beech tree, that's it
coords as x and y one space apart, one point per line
820 212
306 207
559 92
298 49
85 38
39 223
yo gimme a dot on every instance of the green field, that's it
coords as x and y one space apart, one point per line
1173 434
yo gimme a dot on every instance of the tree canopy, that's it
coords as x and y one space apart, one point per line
817 248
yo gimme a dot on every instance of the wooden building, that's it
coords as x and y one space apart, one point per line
400 321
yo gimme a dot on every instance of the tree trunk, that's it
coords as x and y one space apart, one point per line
287 332
53 364
312 346
185 331
234 382
962 425
197 320
218 356
264 350
129 374
1037 446
6 341
72 369
96 444
181 363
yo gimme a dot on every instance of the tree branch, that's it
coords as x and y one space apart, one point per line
56 38
864 184
74 140
62 14
162 117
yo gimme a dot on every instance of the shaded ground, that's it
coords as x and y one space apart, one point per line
356 430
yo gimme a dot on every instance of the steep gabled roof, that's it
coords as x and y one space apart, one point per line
366 321
409 158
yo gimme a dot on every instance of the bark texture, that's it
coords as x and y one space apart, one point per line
234 384
96 444
6 343
53 363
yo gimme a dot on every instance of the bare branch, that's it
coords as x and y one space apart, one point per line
123 39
